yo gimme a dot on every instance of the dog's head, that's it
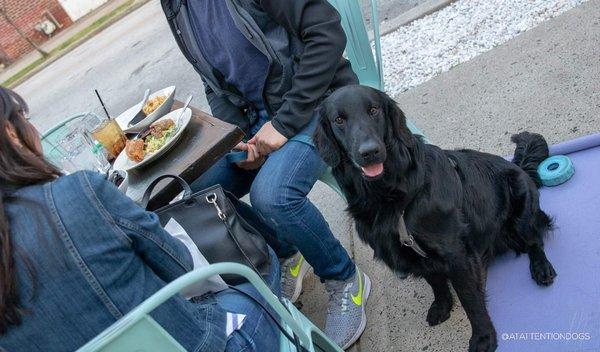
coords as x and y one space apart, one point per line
360 124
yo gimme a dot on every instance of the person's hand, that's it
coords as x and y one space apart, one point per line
267 140
254 160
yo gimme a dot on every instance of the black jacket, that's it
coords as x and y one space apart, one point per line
303 41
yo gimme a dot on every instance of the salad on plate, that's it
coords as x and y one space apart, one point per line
150 140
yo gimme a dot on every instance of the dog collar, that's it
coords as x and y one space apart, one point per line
408 240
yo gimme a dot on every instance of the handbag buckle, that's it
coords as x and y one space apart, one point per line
212 199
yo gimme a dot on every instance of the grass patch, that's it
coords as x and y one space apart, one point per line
17 76
77 37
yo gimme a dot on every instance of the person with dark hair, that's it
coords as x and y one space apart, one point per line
76 255
266 65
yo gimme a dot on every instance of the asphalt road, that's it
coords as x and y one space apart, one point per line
135 53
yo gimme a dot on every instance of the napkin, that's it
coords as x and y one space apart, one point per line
214 283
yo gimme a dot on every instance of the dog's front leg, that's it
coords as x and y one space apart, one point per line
468 283
440 309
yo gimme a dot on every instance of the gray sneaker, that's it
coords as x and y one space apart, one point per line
293 270
346 316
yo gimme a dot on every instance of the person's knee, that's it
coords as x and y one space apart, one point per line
267 201
275 202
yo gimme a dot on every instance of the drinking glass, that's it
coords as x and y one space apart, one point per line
60 159
76 152
100 155
110 135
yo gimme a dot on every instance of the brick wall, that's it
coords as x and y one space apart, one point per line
26 14
4 59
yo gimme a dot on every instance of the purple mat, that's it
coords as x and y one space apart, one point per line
564 317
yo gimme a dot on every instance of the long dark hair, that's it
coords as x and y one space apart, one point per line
21 164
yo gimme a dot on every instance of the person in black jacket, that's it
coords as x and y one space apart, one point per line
265 66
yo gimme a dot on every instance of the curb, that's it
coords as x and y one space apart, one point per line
414 14
75 45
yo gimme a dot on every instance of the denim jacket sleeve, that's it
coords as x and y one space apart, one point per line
167 256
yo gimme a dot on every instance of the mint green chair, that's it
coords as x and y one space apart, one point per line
137 331
368 67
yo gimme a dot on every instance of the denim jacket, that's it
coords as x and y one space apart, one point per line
95 256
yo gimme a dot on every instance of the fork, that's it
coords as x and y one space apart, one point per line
185 106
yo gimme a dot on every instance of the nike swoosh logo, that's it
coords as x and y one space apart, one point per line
358 298
295 270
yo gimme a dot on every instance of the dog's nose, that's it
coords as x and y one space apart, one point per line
368 150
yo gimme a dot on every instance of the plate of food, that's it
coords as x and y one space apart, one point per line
138 117
154 141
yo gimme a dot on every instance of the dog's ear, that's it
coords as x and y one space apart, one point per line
325 141
397 121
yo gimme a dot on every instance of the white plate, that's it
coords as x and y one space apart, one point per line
162 110
124 163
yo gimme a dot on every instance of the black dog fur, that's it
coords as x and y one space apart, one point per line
463 207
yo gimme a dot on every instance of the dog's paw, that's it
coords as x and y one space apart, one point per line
542 272
439 312
483 342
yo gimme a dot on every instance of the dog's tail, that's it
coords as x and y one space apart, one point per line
531 150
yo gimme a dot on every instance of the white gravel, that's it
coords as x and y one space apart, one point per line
434 44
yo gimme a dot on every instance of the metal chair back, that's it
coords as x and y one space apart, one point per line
137 331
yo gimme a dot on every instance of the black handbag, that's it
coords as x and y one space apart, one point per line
211 221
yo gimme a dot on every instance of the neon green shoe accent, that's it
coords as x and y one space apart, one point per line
295 270
358 298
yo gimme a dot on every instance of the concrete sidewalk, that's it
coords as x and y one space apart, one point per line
547 81
69 32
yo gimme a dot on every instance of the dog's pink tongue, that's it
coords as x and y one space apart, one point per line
373 170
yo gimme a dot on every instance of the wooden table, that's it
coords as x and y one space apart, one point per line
204 141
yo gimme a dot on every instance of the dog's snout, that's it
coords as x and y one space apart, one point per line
369 150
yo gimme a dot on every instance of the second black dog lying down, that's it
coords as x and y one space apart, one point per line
460 208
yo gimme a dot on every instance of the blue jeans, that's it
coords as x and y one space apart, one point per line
258 333
278 193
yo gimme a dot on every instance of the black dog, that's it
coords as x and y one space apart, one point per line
460 208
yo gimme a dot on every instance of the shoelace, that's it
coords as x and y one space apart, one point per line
335 299
285 269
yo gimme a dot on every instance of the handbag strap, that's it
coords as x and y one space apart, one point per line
212 198
187 191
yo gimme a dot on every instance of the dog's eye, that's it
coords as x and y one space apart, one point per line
339 120
373 111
